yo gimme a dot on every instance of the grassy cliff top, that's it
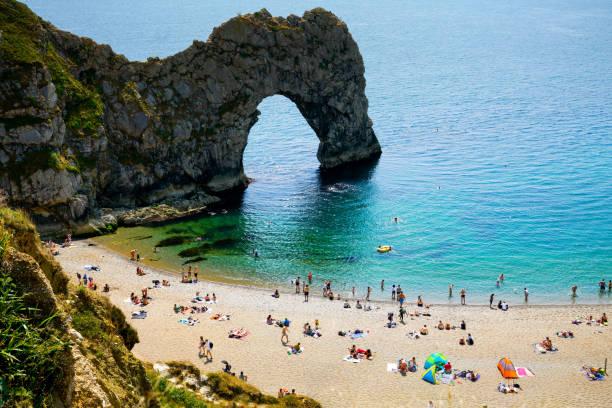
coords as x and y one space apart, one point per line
20 31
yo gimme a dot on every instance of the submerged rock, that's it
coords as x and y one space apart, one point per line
174 241
195 260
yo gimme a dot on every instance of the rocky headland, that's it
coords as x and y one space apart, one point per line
89 138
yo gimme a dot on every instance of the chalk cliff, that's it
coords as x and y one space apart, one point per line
87 134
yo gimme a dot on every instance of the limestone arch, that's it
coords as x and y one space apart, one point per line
311 60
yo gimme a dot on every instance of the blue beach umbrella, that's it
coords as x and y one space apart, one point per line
430 375
436 359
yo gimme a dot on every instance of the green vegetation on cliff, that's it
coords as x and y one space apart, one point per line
29 349
32 346
84 106
20 43
20 33
35 160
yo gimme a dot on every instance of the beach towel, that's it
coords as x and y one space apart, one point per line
91 268
413 335
539 348
593 374
464 374
139 315
597 377
392 367
350 359
358 335
238 334
577 321
189 322
445 378
524 372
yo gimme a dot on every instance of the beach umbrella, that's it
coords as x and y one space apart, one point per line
436 359
430 375
506 368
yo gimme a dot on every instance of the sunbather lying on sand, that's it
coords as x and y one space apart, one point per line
566 334
414 335
362 354
238 334
425 331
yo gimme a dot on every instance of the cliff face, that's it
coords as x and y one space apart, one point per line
45 361
83 128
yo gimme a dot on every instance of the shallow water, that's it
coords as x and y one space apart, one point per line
495 121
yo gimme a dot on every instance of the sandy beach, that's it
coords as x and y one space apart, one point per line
320 371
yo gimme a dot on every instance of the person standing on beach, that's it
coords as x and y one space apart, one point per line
209 347
195 273
450 290
202 348
353 291
368 295
463 292
401 297
526 292
393 292
402 312
297 285
284 335
574 289
602 285
132 254
610 285
309 278
382 284
306 290
491 300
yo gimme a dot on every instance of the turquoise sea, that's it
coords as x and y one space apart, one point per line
495 120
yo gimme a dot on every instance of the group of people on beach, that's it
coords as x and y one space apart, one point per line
187 277
143 300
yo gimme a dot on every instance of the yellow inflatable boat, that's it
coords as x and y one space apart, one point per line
384 248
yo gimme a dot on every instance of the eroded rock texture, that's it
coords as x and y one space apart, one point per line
83 128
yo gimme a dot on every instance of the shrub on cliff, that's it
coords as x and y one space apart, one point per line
30 351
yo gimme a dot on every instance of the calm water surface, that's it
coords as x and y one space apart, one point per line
495 121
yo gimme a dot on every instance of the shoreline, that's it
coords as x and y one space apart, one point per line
320 371
164 269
